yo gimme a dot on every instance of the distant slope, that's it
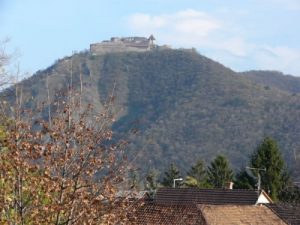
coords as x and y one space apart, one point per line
275 79
184 105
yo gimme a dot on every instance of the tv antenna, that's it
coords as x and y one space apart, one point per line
258 175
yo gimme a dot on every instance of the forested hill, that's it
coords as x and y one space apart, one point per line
275 79
183 105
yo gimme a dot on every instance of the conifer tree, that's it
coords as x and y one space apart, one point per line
268 156
171 174
243 180
134 179
151 182
197 176
219 172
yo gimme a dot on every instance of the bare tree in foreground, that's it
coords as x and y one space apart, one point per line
62 170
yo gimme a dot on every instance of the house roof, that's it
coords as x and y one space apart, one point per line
239 214
206 196
132 194
152 214
288 212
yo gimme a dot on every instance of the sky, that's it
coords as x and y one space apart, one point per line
242 35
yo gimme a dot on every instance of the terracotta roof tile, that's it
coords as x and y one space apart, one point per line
239 215
156 214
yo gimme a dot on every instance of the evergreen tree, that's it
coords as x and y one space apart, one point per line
268 156
134 179
219 172
197 176
151 182
290 194
171 174
244 181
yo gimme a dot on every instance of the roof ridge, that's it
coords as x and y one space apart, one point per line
276 213
199 189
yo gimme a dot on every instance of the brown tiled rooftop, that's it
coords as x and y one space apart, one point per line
288 212
206 196
161 214
239 215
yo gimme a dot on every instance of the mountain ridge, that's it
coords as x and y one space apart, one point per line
184 105
274 79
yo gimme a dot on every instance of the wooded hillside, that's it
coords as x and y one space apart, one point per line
177 105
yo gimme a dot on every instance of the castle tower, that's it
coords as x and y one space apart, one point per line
151 40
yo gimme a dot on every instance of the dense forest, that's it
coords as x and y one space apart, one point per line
177 106
266 171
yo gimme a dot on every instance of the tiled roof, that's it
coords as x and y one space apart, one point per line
239 215
288 212
152 213
206 196
156 214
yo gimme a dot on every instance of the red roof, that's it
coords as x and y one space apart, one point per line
157 214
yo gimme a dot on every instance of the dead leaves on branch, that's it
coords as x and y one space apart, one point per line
63 172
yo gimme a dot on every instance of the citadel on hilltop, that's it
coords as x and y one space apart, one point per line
124 44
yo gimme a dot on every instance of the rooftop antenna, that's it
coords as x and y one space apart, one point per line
258 175
176 179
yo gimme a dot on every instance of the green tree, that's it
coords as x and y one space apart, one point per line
171 174
197 176
290 194
219 172
134 179
268 156
244 181
151 182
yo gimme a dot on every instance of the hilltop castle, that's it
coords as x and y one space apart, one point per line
115 44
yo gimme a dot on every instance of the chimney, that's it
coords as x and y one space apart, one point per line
229 185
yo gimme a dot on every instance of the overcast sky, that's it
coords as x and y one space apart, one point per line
242 35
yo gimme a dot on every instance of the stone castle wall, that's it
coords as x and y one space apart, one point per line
134 44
